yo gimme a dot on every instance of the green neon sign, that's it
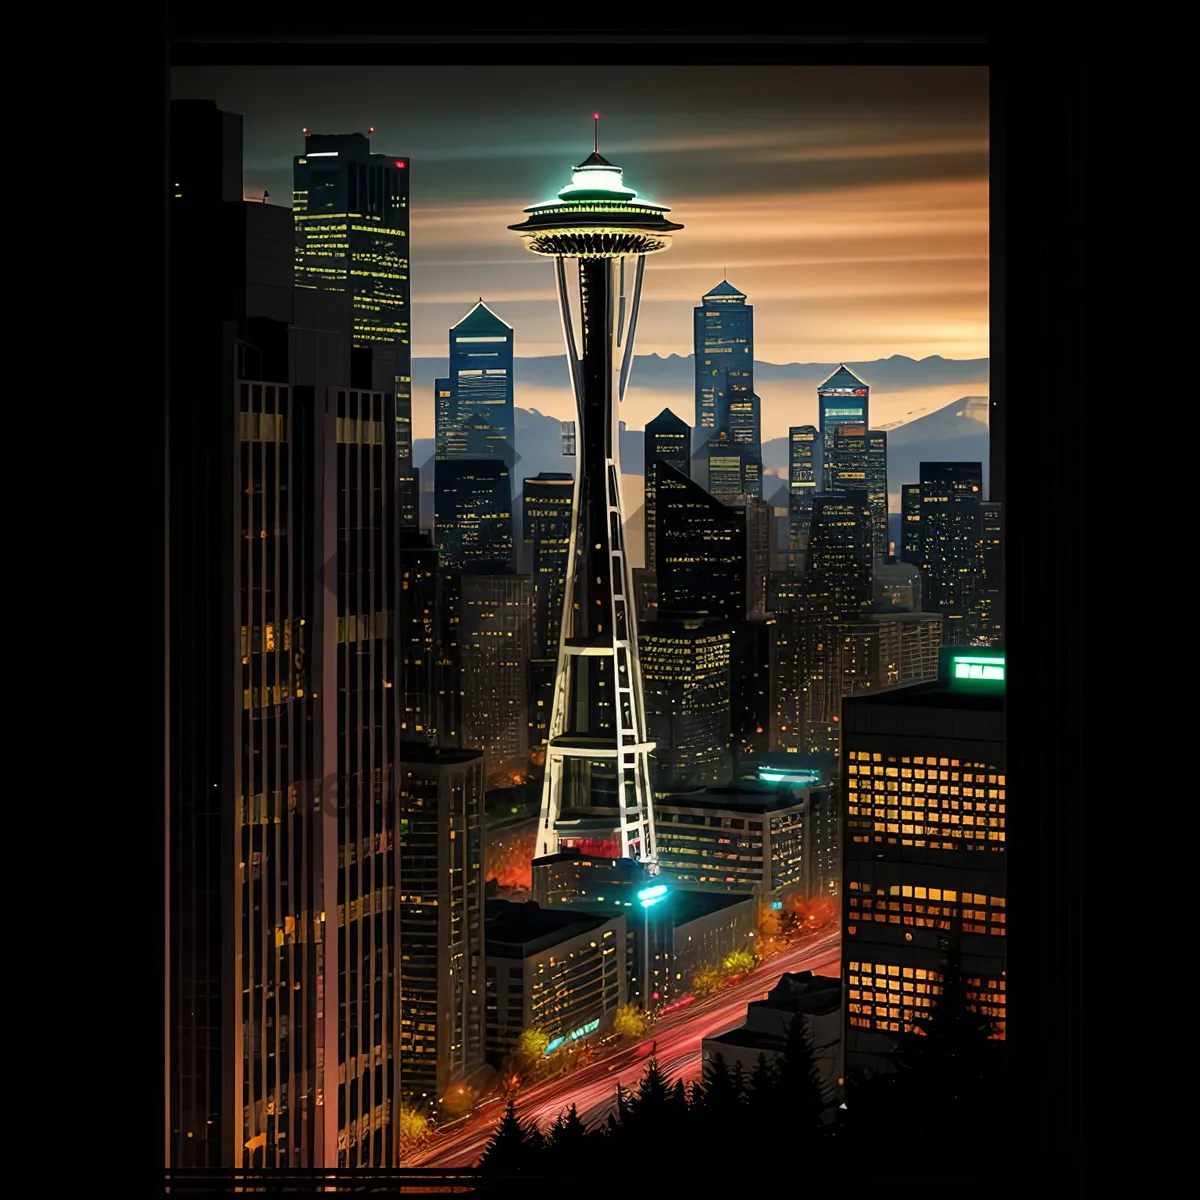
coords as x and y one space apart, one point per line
978 668
575 1034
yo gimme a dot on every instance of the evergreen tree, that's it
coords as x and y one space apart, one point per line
514 1147
761 1089
799 1080
718 1105
566 1140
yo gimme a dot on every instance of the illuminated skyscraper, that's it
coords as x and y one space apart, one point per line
546 500
912 549
952 545
686 666
440 922
840 549
350 209
723 344
480 420
877 491
991 607
802 484
418 638
473 514
843 399
495 627
669 438
598 757
701 549
923 853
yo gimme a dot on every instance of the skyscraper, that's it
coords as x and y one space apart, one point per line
495 629
441 1032
473 514
802 484
701 549
877 491
283 713
843 399
547 500
418 638
723 344
726 468
912 548
686 666
598 758
351 215
952 545
668 438
839 552
923 852
481 386
991 619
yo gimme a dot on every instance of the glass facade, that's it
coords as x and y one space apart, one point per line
667 437
952 546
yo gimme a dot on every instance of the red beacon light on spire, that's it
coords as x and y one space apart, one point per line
306 131
371 130
401 163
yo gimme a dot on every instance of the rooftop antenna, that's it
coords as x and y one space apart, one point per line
596 119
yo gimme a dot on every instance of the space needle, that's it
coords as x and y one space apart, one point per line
597 781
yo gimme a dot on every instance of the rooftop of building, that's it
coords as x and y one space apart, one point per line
743 796
482 322
937 694
725 291
519 930
843 377
686 906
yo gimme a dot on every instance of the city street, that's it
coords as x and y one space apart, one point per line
676 1038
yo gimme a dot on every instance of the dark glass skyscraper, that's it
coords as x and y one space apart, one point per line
473 514
723 343
839 553
877 490
701 549
843 399
481 386
952 546
598 755
667 438
912 549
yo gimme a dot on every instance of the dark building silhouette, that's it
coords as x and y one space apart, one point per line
877 491
952 546
281 672
667 437
473 514
441 1031
923 851
547 501
598 754
760 525
840 549
687 680
912 547
990 624
701 549
418 638
802 484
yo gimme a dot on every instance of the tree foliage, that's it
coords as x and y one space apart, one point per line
630 1022
514 1147
738 962
414 1125
531 1046
707 980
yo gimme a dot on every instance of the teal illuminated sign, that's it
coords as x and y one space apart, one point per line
978 668
805 778
652 895
575 1035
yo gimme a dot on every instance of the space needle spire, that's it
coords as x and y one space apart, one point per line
597 782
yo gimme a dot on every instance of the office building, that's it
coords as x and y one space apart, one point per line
770 839
723 344
667 437
802 484
686 677
494 642
751 690
912 545
990 622
952 546
559 970
645 592
843 399
440 920
350 209
598 755
840 550
734 470
476 419
572 876
815 1001
281 665
473 514
418 638
760 520
877 492
923 851
701 549
896 587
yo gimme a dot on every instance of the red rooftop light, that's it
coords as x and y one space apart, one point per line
371 130
306 132
400 162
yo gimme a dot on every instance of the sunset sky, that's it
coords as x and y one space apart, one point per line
850 204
